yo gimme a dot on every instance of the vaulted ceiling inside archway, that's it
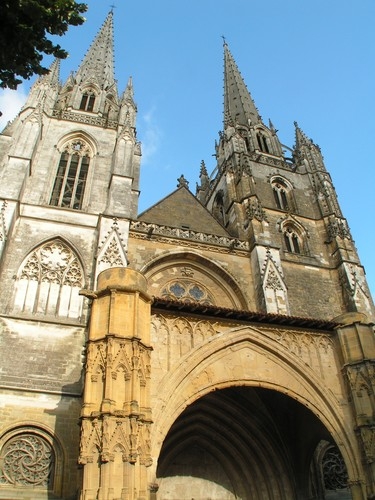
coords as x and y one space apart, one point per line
240 443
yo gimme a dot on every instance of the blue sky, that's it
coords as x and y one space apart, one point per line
305 61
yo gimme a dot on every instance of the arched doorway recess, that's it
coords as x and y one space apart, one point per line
244 443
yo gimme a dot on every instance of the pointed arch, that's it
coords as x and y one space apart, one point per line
210 366
218 209
112 250
76 153
283 193
191 269
274 288
294 236
49 280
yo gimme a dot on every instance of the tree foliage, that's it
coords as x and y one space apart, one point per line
25 26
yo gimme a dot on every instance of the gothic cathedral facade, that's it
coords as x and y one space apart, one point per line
219 345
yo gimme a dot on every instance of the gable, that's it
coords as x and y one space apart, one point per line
182 209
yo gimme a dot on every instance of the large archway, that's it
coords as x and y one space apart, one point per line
245 443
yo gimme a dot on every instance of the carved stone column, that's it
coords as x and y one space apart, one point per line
116 413
358 349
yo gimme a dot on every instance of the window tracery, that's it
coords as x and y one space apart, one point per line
262 142
27 460
88 101
282 194
334 470
292 239
187 291
70 182
49 282
218 210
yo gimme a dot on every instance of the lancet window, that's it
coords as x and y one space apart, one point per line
87 101
70 182
218 207
292 239
262 142
283 195
49 281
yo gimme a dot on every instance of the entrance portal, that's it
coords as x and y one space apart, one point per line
246 443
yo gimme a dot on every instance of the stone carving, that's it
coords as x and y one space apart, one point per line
3 230
177 336
27 460
187 291
143 230
255 210
338 227
274 289
54 262
49 281
107 436
112 251
334 471
368 439
84 118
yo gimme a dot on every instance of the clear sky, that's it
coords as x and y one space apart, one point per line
305 61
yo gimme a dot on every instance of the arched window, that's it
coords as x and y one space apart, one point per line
283 194
49 282
262 142
292 239
87 101
280 195
70 182
218 208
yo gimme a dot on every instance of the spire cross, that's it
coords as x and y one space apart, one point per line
224 39
113 6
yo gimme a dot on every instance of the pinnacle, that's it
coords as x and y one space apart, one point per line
301 137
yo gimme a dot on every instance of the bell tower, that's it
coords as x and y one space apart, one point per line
282 201
69 187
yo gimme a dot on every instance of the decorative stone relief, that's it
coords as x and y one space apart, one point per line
316 350
354 287
49 282
3 229
368 440
255 210
108 436
274 288
84 118
175 337
27 460
338 228
334 470
186 237
187 291
112 252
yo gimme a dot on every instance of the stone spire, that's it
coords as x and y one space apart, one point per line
239 106
97 65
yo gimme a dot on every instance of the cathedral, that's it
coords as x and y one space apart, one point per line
217 346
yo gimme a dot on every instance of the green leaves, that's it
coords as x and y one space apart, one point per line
23 35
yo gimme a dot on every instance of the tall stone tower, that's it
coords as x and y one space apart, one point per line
69 186
218 345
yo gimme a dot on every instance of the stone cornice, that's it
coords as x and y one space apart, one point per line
187 237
